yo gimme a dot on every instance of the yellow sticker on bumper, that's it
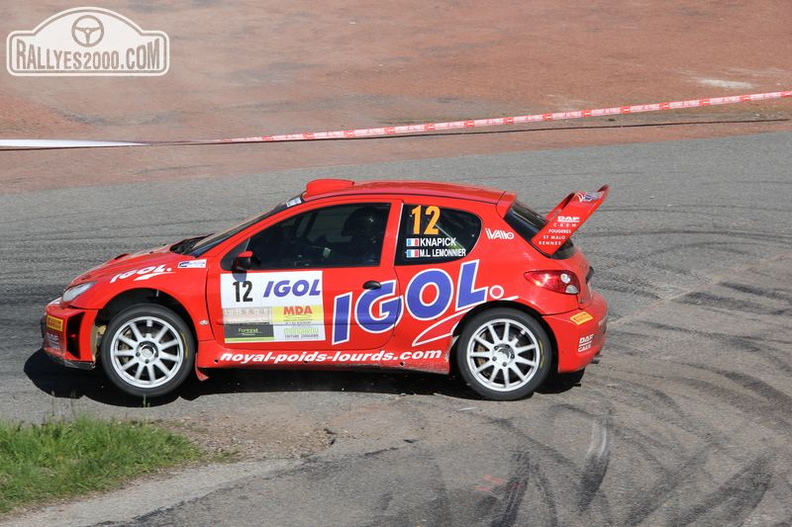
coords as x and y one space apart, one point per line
54 323
581 318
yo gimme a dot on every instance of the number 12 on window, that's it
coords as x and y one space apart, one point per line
433 213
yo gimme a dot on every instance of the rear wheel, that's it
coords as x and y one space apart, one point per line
147 350
503 354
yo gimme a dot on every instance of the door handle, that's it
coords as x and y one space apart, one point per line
372 284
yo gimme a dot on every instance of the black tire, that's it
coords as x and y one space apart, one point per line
504 369
147 350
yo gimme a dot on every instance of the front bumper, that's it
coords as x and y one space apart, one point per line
579 334
68 335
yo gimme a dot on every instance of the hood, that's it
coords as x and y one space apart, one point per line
145 264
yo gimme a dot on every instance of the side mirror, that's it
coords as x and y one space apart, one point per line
242 262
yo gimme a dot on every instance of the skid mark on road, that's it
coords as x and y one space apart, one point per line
665 487
515 491
633 287
734 501
774 351
761 406
778 402
596 463
660 406
550 456
725 304
762 292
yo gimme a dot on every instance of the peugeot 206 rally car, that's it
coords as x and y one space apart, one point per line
399 275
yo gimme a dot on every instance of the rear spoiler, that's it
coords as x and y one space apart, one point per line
566 218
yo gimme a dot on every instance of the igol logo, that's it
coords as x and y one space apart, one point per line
282 288
379 310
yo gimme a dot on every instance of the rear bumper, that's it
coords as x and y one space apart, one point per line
579 334
68 335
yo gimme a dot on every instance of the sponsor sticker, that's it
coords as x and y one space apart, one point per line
346 357
247 315
53 340
498 234
588 197
559 231
273 307
581 318
145 273
54 323
249 333
568 219
193 264
584 344
430 294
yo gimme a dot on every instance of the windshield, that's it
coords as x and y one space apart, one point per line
198 246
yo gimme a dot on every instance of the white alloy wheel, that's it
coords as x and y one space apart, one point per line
147 350
503 354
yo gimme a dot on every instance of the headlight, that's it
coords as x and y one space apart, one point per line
73 292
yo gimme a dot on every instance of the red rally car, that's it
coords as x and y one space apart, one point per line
391 274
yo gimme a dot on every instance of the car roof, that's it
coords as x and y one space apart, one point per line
326 188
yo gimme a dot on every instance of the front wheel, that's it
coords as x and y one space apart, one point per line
147 350
503 354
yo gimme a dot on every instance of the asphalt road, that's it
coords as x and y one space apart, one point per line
686 420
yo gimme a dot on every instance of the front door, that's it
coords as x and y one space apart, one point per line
320 280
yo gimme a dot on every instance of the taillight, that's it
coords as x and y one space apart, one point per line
559 281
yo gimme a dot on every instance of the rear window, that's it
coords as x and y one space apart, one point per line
527 223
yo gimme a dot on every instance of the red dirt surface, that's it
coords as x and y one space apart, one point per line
252 68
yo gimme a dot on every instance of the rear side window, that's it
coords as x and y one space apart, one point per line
527 223
429 234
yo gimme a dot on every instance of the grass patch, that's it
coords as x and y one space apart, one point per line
69 458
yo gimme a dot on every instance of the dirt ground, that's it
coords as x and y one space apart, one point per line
251 68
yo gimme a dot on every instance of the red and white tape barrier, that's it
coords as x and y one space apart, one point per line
410 129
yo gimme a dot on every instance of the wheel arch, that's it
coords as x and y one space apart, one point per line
133 297
511 305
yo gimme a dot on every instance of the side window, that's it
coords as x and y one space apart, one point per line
432 234
338 236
